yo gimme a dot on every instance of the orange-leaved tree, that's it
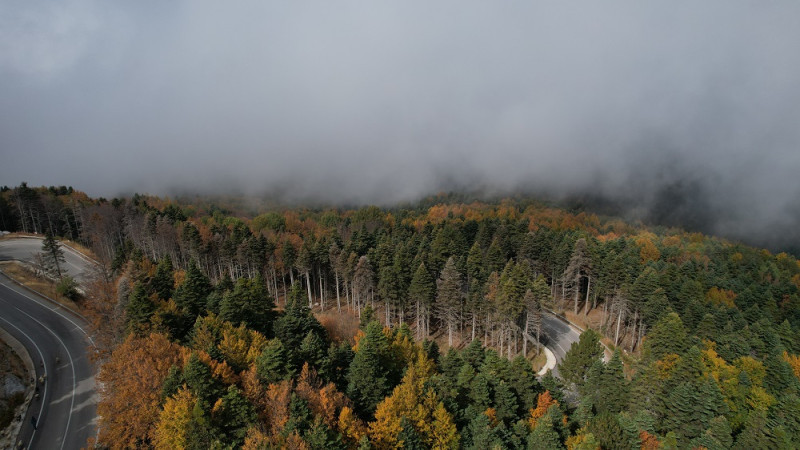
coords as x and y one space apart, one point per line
543 403
131 395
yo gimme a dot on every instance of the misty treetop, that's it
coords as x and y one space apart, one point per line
221 327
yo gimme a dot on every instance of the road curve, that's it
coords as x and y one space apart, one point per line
558 336
66 409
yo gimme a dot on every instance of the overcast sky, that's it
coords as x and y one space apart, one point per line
668 105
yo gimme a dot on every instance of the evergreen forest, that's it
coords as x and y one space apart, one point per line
222 323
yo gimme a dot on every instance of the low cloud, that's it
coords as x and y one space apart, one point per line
683 113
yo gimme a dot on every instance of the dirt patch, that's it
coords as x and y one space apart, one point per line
538 361
340 326
23 274
80 248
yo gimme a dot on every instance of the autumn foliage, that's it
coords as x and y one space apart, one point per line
131 383
543 403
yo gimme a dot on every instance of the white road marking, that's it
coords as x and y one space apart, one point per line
35 381
55 309
72 365
555 334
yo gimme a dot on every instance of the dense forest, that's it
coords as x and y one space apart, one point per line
221 327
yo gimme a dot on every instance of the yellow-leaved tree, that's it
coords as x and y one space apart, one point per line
173 422
412 400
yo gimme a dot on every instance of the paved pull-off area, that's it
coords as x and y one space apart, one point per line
23 249
56 339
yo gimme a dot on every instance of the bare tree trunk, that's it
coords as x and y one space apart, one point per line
473 327
588 289
501 342
308 286
285 294
525 337
577 294
338 298
449 333
427 324
416 312
641 332
516 341
616 335
321 291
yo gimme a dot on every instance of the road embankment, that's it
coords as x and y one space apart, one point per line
9 435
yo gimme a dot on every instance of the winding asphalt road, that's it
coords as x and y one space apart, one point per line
66 409
558 336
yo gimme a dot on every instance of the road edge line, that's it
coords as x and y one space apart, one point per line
550 364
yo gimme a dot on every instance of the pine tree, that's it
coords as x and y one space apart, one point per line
313 350
389 288
495 258
505 402
667 336
295 324
755 434
199 379
408 437
139 310
480 435
612 391
233 415
716 437
249 303
335 262
422 291
449 296
289 253
53 256
321 437
524 382
580 357
172 384
304 265
367 378
690 410
163 282
191 295
579 266
362 282
544 435
608 432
